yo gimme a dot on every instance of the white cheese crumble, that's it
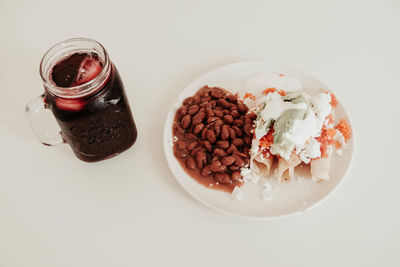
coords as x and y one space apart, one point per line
237 194
266 192
309 150
338 137
249 176
255 146
260 130
328 124
171 142
250 103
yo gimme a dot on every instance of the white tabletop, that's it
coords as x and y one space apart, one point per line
129 211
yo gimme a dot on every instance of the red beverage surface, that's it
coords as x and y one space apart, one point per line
96 126
76 69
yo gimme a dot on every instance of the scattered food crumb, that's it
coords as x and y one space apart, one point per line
237 194
249 176
266 193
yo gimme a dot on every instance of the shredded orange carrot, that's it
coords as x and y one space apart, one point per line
325 139
329 118
272 90
280 74
327 135
344 127
337 144
249 95
282 93
269 90
333 101
266 153
267 140
330 133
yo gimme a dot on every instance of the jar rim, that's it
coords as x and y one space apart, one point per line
68 47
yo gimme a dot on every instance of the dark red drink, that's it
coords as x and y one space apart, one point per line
92 108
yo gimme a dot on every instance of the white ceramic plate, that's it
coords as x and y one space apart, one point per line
288 198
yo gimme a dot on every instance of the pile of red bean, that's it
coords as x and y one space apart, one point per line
213 133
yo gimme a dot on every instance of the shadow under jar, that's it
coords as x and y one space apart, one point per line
84 91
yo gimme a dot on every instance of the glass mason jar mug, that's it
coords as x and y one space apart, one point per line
83 90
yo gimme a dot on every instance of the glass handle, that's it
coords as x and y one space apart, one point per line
39 118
